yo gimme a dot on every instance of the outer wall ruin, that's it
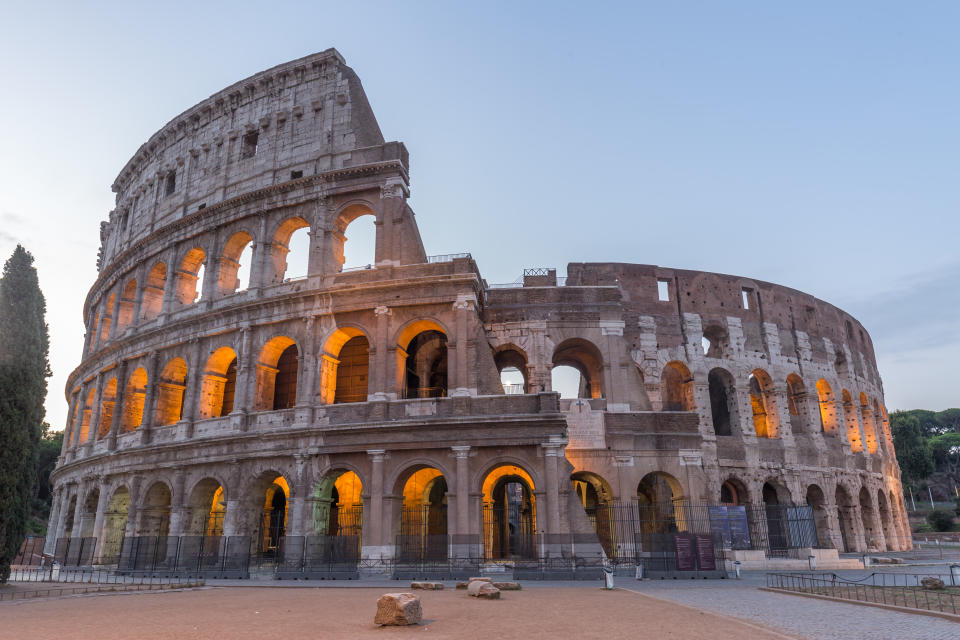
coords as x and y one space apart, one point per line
289 406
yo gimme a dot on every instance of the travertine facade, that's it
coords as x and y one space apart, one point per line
286 405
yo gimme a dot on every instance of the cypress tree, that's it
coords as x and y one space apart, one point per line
24 369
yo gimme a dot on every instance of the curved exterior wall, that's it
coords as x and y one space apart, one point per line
297 147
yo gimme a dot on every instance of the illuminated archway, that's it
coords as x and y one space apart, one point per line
338 505
219 384
170 389
107 319
763 404
189 285
423 515
661 502
828 407
676 388
277 373
152 302
133 398
596 497
509 514
280 251
108 399
273 518
797 404
422 359
207 507
125 310
236 257
345 367
85 418
869 428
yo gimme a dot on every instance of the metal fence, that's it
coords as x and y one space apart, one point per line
30 553
310 557
208 556
897 589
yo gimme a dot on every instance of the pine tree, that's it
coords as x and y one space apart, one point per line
23 387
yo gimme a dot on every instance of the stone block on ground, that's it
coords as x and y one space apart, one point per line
398 609
427 586
483 589
934 584
480 579
507 586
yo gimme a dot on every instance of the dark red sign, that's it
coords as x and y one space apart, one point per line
705 556
683 545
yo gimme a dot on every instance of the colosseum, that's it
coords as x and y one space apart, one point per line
401 417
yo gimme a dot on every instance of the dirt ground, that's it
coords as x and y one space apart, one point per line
236 613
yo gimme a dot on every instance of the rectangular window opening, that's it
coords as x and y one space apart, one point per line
747 296
296 174
663 290
249 145
171 184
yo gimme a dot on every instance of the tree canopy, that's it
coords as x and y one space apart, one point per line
928 448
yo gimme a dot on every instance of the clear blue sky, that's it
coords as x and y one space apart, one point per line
812 144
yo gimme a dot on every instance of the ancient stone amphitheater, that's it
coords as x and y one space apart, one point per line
366 408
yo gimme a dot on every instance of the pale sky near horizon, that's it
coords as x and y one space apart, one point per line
809 144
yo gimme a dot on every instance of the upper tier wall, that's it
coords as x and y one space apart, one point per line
297 119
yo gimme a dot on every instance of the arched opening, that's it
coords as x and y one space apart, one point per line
676 388
511 363
734 493
338 505
852 421
219 384
848 531
509 514
423 516
345 367
85 419
290 250
722 401
207 507
871 533
107 319
190 276
93 334
797 404
234 273
152 303
661 502
763 402
277 375
108 400
115 525
125 310
425 365
69 520
170 388
821 520
133 398
777 532
357 249
155 514
88 514
585 358
869 429
828 407
273 519
716 341
596 497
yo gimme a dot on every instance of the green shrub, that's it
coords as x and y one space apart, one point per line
941 520
923 527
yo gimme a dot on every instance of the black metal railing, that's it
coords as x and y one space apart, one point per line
211 556
912 590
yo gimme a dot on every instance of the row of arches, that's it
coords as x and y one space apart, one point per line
242 262
576 369
862 420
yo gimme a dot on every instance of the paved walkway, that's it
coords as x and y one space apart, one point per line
796 615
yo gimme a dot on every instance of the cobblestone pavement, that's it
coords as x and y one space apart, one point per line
796 615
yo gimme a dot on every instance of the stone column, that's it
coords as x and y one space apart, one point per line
78 510
70 430
552 450
94 425
138 296
460 384
298 495
377 547
133 510
150 399
98 523
382 386
210 272
60 531
169 285
56 506
118 405
178 504
307 380
612 374
462 454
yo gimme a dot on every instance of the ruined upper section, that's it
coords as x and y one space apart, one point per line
295 120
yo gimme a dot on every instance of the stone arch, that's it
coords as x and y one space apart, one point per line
828 407
134 396
845 515
763 403
108 401
817 501
716 341
93 334
661 501
345 366
734 492
852 421
170 389
507 357
206 508
797 407
885 520
85 418
277 373
775 497
88 512
189 286
585 357
219 384
723 401
68 522
280 246
269 497
337 504
422 359
228 280
871 532
422 513
509 513
128 299
115 524
153 287
344 219
155 510
676 387
106 319
596 497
